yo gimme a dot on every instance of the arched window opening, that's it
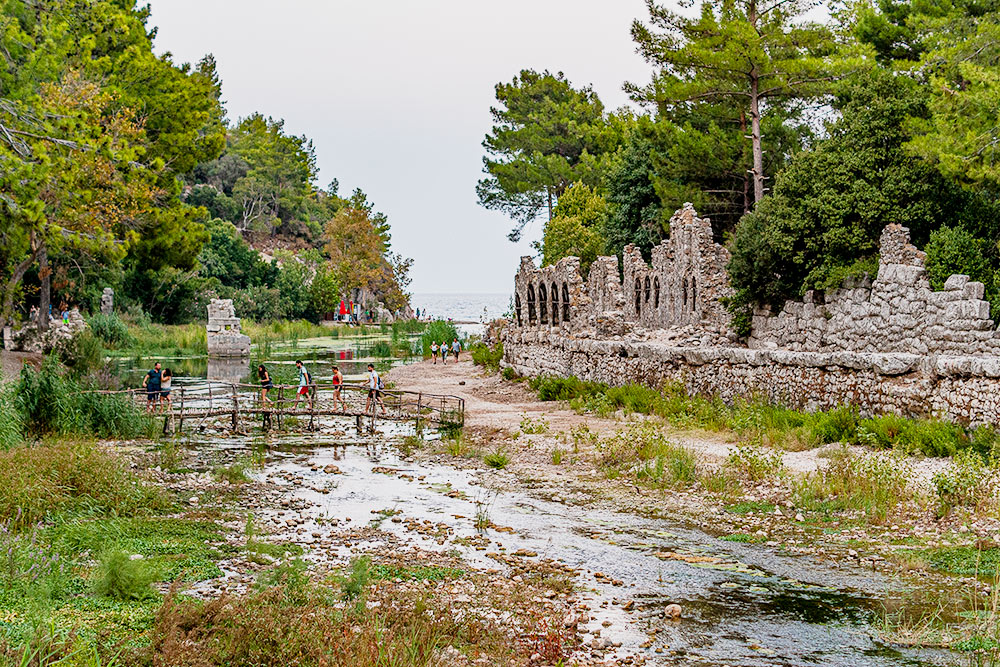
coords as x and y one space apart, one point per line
638 297
647 289
531 304
555 304
656 293
517 308
565 301
543 311
684 295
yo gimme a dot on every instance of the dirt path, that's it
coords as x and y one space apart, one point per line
491 402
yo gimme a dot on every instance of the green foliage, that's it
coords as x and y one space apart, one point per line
497 459
111 330
438 331
354 585
576 228
636 209
41 481
230 260
11 420
966 482
875 484
954 250
546 136
643 450
735 61
122 578
531 426
487 357
754 464
50 402
830 204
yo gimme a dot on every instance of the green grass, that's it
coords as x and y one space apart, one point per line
497 459
415 572
963 561
487 357
643 451
746 507
872 483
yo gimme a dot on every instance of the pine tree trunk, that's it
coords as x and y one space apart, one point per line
758 152
548 191
45 293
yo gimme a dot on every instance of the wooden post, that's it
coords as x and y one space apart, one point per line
180 426
236 411
281 408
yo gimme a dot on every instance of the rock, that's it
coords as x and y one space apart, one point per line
193 500
672 611
799 517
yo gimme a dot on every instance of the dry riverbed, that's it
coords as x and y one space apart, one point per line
514 529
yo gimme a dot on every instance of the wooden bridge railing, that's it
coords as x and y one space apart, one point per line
238 402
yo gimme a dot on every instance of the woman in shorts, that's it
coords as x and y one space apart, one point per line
165 377
338 381
434 351
266 384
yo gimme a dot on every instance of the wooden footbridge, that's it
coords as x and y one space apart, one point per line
241 405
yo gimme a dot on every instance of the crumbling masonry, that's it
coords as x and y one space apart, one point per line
223 331
887 345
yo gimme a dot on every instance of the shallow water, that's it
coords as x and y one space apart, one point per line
743 604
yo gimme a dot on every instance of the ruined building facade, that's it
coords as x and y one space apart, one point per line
891 344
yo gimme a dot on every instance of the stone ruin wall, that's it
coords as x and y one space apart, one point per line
888 345
223 331
897 312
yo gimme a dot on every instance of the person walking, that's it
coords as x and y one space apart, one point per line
456 347
305 380
338 382
165 377
151 383
375 388
434 351
266 384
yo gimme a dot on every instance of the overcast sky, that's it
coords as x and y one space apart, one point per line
396 96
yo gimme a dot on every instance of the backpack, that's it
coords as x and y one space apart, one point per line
378 384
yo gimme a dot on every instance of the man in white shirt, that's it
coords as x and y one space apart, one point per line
374 390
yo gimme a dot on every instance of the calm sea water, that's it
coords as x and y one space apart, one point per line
478 308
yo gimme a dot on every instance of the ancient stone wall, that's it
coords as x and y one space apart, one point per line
686 281
887 345
680 292
223 331
897 312
963 389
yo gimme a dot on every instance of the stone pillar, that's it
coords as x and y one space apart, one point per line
107 301
223 331
8 339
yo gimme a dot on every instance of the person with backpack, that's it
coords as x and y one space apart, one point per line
305 383
375 389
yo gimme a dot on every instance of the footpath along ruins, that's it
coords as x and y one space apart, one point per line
891 344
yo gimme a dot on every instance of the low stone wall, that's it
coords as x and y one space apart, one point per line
965 389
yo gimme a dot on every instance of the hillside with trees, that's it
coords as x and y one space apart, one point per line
800 133
121 169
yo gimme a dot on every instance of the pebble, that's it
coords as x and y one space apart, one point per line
672 611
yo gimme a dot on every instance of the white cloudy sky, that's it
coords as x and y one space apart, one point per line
396 95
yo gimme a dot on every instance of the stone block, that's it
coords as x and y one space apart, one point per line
974 290
955 282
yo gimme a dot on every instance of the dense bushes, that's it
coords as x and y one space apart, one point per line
111 330
50 401
487 357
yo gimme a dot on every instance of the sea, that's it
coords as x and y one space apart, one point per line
473 311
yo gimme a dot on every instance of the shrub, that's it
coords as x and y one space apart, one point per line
754 464
497 459
111 330
873 483
82 353
354 585
487 357
531 426
38 482
837 425
11 422
121 578
967 481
